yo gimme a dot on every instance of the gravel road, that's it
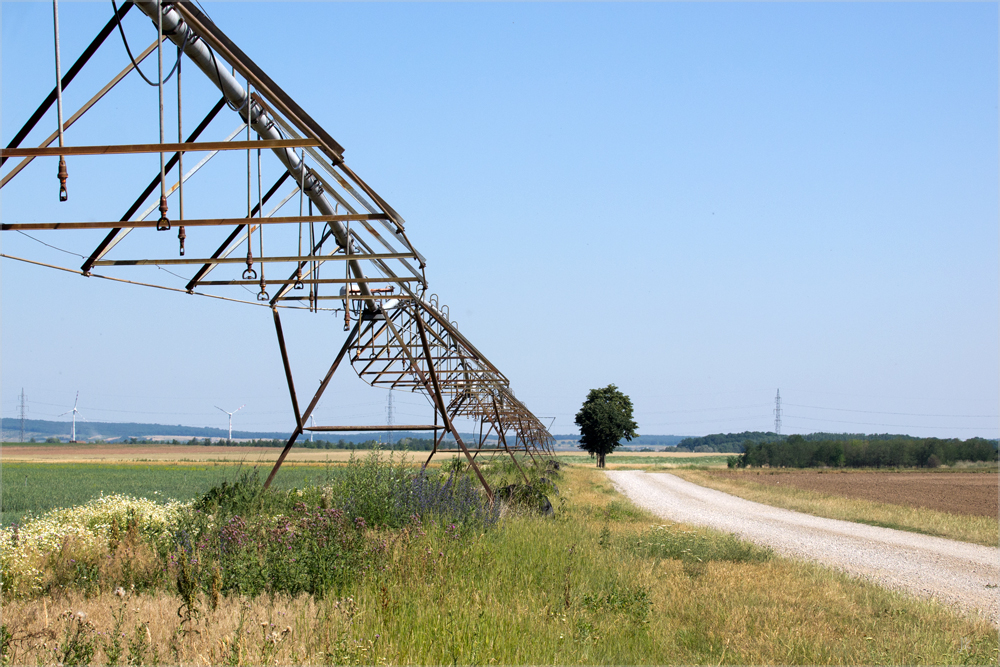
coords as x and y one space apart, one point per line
958 573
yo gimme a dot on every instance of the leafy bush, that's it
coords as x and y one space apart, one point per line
241 539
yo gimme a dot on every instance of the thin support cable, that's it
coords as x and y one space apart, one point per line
62 174
140 284
49 245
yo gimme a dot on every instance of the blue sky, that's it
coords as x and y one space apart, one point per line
701 203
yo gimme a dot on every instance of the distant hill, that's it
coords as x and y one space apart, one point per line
89 431
41 429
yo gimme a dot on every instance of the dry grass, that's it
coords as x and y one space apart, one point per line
574 589
966 528
113 453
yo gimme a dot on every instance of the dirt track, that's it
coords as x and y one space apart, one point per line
955 492
958 573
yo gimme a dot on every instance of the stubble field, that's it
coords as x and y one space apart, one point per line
973 493
955 505
119 453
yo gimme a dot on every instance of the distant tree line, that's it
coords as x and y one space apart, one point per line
797 451
736 442
725 442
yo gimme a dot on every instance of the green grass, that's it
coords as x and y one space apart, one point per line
34 488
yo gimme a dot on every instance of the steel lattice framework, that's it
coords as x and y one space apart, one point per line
399 336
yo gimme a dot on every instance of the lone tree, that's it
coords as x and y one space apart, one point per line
604 419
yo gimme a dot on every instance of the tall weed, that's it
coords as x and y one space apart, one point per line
679 543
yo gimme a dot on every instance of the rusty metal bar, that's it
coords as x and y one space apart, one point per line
288 368
127 149
471 451
204 222
242 260
437 441
303 281
384 427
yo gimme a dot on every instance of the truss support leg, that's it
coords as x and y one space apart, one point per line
304 417
444 412
433 388
503 439
288 367
436 441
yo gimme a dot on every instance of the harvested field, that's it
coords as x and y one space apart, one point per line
970 493
109 453
80 453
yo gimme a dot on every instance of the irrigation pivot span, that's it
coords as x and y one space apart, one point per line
317 237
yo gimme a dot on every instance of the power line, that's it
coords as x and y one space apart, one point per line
667 412
713 421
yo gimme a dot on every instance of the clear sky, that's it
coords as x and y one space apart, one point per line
698 202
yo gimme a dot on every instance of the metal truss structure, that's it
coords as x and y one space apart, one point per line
350 239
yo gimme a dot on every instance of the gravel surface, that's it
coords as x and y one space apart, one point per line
958 573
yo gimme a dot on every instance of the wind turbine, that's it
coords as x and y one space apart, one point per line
75 413
231 418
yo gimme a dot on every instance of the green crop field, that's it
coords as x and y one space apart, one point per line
34 488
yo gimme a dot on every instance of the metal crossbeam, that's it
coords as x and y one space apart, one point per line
127 149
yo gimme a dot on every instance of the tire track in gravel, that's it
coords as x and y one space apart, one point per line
957 573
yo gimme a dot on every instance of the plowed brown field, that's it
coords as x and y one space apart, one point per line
956 492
